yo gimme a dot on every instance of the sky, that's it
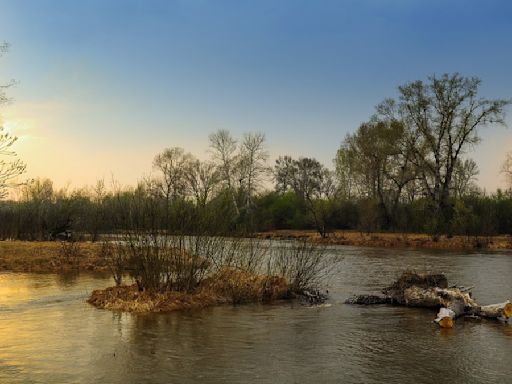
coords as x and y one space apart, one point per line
103 86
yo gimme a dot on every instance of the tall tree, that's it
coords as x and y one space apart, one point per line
253 164
224 152
311 182
442 117
376 160
173 164
202 178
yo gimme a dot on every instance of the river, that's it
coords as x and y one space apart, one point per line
49 334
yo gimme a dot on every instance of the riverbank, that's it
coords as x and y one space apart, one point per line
35 256
228 286
393 240
50 256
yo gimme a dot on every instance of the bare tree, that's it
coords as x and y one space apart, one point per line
506 169
464 177
9 169
173 164
203 178
253 163
4 47
97 214
224 151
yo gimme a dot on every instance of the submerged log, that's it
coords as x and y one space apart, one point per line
431 291
368 300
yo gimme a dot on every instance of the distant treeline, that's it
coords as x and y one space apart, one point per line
43 214
405 169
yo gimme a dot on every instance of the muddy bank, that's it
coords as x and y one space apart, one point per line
394 240
35 256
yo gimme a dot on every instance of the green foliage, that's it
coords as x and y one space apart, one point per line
44 217
280 211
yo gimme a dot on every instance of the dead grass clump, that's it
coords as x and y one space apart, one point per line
230 285
128 298
239 286
422 280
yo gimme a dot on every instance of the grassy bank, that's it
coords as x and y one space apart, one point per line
393 240
40 256
229 286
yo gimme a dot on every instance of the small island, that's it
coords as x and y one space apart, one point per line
168 273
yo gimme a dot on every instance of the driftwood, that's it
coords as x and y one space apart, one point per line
311 297
432 291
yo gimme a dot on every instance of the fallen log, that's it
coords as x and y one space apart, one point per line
447 315
431 291
502 311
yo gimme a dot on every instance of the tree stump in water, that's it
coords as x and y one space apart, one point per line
431 291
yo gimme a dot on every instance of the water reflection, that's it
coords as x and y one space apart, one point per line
49 334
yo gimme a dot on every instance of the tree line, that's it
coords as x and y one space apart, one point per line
405 169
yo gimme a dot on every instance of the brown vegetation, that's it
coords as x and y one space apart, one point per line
30 256
393 240
230 285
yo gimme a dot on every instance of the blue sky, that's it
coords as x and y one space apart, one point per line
105 85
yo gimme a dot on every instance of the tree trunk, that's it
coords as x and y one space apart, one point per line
502 311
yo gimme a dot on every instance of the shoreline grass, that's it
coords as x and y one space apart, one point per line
394 240
50 257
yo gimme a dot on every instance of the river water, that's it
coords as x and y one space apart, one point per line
49 334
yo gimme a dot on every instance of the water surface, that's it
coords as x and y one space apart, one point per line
48 334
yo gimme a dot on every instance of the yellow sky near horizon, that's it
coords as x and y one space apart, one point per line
51 153
74 160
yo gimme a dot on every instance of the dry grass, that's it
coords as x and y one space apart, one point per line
394 240
127 298
238 286
31 256
422 280
230 285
